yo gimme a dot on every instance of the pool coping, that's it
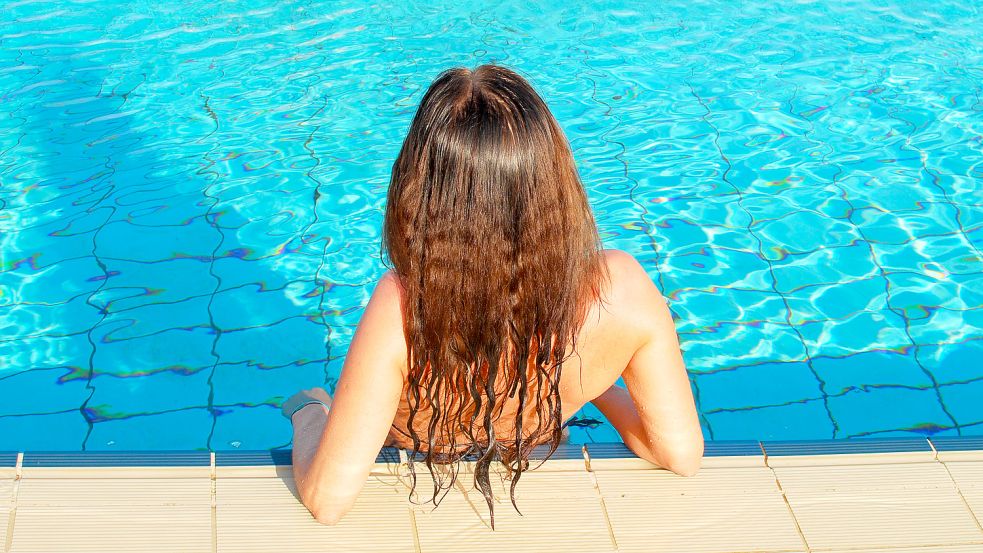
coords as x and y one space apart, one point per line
797 496
937 448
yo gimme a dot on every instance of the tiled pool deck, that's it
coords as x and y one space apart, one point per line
846 496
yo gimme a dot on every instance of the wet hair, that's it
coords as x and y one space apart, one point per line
488 228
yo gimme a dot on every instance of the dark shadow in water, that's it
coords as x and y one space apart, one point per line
139 242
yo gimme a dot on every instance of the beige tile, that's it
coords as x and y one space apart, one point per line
286 471
96 492
620 463
635 463
864 476
117 528
974 497
884 519
733 461
892 505
531 484
967 474
851 459
976 548
949 456
718 510
727 481
263 514
560 511
283 491
6 502
107 514
116 472
261 471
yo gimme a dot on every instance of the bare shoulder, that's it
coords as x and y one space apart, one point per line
631 290
389 286
387 299
380 329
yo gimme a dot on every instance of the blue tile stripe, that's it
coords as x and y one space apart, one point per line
716 448
957 443
610 450
117 459
731 448
834 447
258 458
253 458
564 452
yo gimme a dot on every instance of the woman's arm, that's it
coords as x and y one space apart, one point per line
332 465
656 415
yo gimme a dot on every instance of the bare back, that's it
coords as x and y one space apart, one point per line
630 334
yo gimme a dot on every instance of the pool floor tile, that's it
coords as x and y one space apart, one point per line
761 385
963 401
250 427
781 422
166 430
859 412
869 368
22 432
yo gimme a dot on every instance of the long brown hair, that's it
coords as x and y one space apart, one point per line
489 230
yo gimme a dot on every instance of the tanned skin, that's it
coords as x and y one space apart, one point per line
629 334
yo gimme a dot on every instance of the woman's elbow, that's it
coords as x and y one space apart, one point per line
328 517
328 511
327 514
686 460
686 467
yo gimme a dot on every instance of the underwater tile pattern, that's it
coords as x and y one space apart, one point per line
191 199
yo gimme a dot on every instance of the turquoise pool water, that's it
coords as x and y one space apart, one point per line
191 195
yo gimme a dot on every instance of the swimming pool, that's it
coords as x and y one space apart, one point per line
190 202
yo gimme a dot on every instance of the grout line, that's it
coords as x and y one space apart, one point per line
402 471
416 531
600 498
798 527
9 540
212 489
963 497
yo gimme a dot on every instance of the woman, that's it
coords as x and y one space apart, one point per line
501 316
